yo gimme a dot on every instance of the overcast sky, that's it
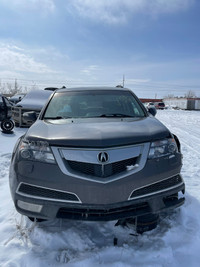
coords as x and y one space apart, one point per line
155 44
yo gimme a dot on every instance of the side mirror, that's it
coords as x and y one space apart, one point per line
152 111
30 116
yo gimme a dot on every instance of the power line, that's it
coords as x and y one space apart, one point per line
128 81
145 86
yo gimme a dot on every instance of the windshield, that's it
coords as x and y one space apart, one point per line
93 103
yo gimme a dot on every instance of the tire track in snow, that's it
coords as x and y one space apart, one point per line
192 133
182 124
191 142
190 147
4 163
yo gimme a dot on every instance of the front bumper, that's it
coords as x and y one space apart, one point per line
42 190
154 203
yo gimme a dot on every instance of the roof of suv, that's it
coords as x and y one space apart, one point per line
92 88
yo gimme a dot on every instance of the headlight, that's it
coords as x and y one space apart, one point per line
162 148
38 151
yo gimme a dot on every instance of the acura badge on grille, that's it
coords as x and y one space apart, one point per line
103 157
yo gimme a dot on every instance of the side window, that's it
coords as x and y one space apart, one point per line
1 100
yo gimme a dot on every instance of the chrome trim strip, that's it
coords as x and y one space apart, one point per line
156 192
142 151
91 156
44 198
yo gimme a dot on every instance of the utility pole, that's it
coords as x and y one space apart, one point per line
123 81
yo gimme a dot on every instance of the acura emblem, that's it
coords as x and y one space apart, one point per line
103 157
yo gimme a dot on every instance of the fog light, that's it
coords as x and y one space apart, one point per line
29 206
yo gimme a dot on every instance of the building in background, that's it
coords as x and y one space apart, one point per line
183 103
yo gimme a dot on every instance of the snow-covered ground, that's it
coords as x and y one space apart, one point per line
175 242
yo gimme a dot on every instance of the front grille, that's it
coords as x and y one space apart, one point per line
101 170
45 193
100 214
153 188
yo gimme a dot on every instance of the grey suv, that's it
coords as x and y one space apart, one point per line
95 154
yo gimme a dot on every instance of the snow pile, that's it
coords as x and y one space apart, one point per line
175 242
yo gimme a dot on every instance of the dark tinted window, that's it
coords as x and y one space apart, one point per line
161 104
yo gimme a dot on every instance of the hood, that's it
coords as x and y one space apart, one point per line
34 100
99 133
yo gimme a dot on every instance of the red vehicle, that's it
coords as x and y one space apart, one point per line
160 105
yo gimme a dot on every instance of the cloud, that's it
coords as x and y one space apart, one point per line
132 81
13 58
10 75
118 11
90 70
43 6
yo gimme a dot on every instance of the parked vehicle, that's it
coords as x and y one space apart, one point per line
33 101
16 98
7 124
96 154
150 106
160 105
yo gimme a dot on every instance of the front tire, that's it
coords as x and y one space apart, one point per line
146 223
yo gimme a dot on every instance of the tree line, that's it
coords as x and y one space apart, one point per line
15 88
188 94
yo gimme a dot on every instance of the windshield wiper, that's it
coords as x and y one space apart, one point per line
120 115
56 118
